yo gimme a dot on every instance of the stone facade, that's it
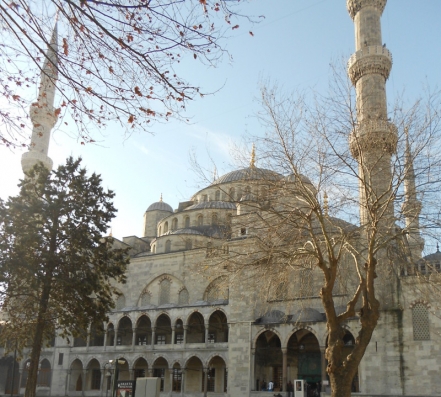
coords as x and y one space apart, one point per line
181 316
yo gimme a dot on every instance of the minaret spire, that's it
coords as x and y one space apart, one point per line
253 156
374 140
412 206
42 112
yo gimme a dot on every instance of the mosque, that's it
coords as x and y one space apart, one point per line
204 336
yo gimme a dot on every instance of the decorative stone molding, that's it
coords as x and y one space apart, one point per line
354 6
373 135
370 60
419 301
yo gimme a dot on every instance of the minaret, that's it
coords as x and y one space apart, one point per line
412 207
374 139
42 112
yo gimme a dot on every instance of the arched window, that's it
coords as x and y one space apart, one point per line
214 219
164 292
174 224
217 195
145 299
120 302
160 231
183 297
200 220
168 246
187 221
44 374
420 320
154 249
165 227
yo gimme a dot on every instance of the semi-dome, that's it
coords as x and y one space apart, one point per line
248 174
160 206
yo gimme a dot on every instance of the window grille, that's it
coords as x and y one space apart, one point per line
179 339
164 294
420 320
145 299
183 297
160 339
177 379
120 302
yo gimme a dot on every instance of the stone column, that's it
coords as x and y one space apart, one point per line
173 335
323 366
105 340
89 330
205 381
67 382
252 374
185 335
83 383
153 337
206 333
284 367
133 337
171 381
183 382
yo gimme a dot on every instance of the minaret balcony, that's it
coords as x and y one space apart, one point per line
373 135
354 6
368 60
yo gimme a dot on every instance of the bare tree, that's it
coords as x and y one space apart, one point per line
117 61
317 224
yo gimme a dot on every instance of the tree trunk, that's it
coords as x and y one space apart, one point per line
37 342
340 386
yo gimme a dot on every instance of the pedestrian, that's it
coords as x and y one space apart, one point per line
270 385
290 389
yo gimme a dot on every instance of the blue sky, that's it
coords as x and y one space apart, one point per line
293 45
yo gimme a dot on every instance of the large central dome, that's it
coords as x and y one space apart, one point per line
248 174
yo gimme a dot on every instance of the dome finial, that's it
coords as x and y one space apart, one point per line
253 156
160 199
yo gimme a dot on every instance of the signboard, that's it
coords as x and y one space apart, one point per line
299 388
125 388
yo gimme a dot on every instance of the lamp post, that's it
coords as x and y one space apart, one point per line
107 375
116 373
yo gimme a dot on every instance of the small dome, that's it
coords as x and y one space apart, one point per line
160 206
293 178
248 197
433 258
247 174
308 314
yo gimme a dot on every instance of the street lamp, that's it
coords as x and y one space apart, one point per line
107 375
116 373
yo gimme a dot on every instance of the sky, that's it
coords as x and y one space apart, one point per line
293 45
